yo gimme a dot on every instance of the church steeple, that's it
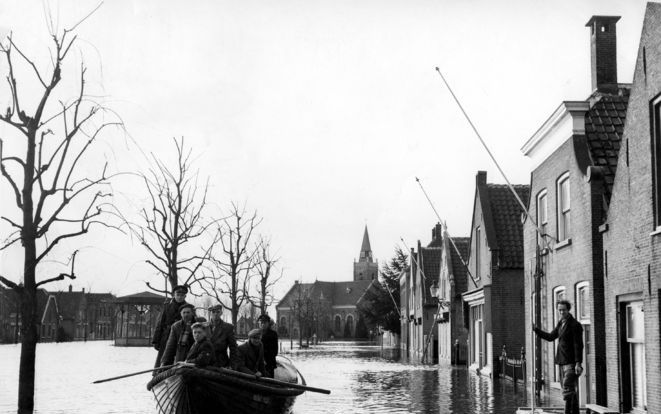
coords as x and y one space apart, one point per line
366 249
365 268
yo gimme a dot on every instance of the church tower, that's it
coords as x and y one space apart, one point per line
365 268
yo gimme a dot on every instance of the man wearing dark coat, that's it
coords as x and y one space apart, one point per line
180 340
169 316
251 354
270 342
569 355
223 339
201 353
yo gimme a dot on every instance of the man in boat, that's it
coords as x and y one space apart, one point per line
169 316
201 353
569 355
270 342
223 339
251 354
180 340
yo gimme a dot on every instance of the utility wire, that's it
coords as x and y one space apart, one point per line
516 195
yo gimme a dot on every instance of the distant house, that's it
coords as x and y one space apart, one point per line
452 332
425 265
495 291
61 316
574 156
84 316
632 241
328 309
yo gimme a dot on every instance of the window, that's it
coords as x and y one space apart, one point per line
542 215
338 324
558 295
478 236
655 121
635 344
582 310
564 221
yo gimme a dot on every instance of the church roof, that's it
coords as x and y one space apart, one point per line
337 293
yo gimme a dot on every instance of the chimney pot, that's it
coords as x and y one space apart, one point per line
603 52
70 288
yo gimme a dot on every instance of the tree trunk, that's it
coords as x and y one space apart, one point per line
28 354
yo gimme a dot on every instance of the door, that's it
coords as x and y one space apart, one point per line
584 379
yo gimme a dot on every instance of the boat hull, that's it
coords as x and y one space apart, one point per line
187 390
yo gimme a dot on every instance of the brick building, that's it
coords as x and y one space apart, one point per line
495 284
425 267
82 316
10 314
574 158
632 241
452 332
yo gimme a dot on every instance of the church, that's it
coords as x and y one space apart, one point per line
329 309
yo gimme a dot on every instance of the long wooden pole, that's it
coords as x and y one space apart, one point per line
132 374
272 381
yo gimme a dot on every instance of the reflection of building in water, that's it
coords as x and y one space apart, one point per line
136 318
329 309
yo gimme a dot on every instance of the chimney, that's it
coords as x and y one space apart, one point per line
603 49
481 178
437 232
70 288
83 290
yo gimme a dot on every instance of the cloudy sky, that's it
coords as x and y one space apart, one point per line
318 114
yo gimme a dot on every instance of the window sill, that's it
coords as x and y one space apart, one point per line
656 232
564 243
556 385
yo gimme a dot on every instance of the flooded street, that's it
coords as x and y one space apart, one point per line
362 380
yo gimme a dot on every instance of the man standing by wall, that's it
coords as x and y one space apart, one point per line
169 316
569 356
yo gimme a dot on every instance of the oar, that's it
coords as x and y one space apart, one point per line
273 381
135 373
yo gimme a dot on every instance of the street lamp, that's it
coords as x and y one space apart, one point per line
433 289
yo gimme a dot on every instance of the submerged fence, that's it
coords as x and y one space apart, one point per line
511 368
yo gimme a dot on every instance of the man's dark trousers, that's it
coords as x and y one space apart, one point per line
569 391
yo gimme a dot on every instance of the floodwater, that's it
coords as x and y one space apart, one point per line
363 379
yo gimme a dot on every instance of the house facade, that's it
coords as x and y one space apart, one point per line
452 331
495 274
632 241
574 160
421 313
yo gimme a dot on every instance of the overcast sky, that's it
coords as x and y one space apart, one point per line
319 114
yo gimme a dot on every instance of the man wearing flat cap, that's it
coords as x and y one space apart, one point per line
251 354
168 317
223 339
181 338
270 342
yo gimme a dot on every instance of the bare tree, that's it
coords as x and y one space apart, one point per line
233 267
173 221
56 199
264 268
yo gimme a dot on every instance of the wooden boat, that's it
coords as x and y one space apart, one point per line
190 390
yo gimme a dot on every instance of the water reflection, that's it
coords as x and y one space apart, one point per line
363 379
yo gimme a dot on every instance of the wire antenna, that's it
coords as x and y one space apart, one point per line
484 144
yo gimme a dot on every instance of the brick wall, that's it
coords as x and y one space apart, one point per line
633 254
567 264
